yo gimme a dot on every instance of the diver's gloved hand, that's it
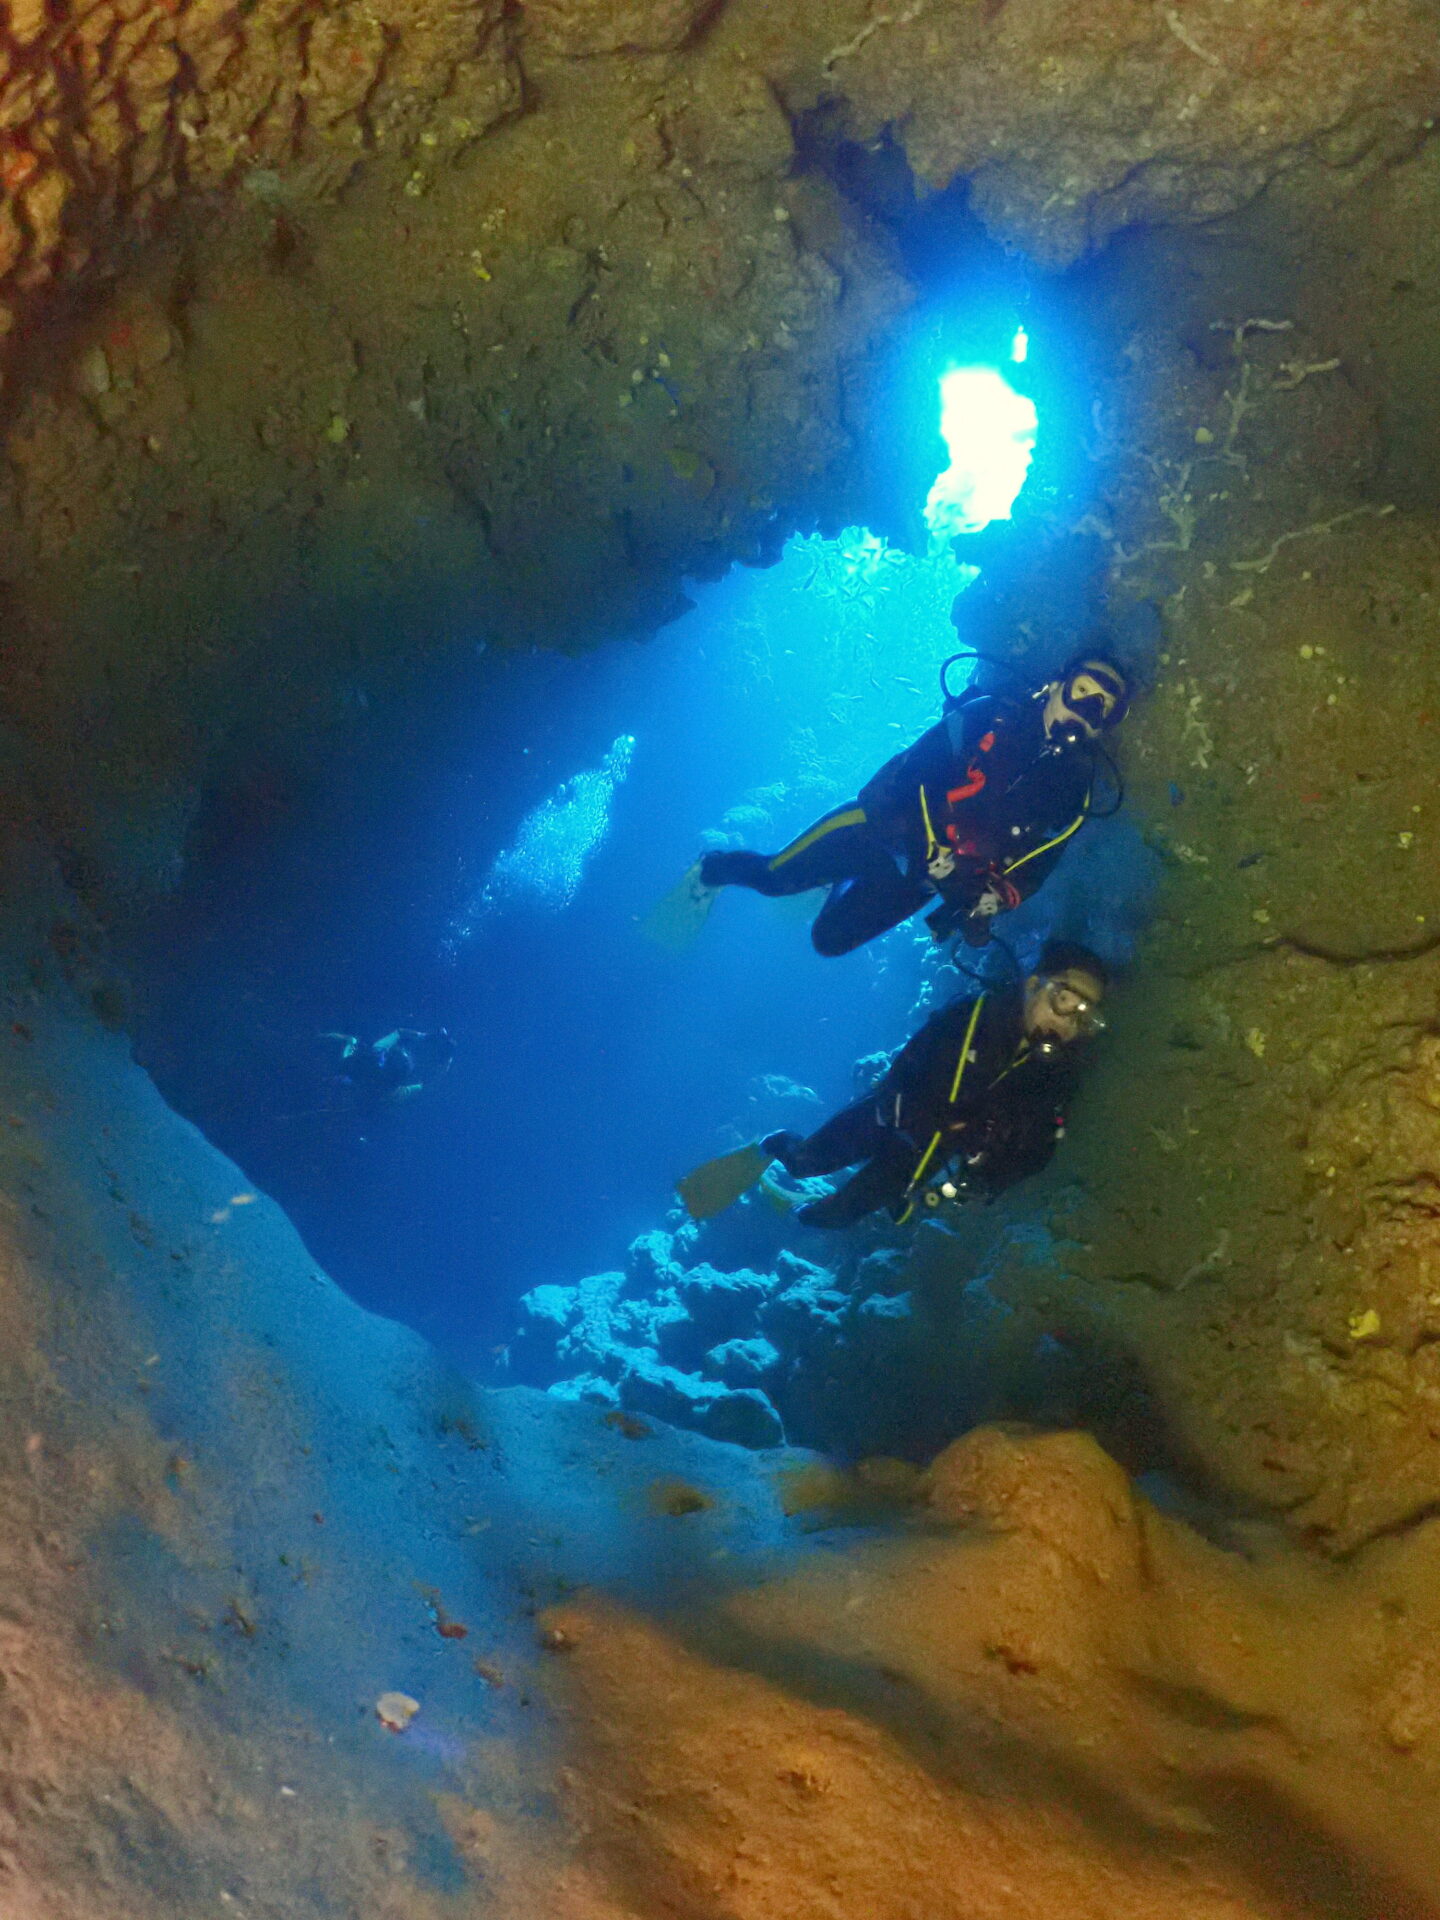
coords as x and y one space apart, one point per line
940 865
951 1191
976 928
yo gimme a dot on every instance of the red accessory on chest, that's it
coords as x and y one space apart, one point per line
976 774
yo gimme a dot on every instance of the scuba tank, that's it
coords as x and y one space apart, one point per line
955 706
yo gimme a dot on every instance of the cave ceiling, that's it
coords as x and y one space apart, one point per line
357 334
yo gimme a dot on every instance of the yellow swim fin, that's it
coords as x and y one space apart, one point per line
782 1201
675 922
712 1187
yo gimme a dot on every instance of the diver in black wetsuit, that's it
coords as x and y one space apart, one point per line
984 1083
370 1076
977 811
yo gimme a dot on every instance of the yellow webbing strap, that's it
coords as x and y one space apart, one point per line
1021 1054
929 1154
848 817
926 1158
1035 852
960 1064
932 845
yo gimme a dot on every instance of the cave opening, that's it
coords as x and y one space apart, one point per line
483 861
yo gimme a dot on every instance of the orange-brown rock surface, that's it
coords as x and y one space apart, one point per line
583 254
241 1520
1072 121
108 111
1043 1698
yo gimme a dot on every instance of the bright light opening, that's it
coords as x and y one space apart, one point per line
990 431
1020 347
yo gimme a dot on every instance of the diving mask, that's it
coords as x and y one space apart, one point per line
1095 693
1075 1008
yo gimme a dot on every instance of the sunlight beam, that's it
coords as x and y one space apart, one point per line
990 432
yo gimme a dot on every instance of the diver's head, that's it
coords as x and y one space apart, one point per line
1090 696
1063 996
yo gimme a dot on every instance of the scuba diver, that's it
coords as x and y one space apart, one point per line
982 1087
371 1076
977 811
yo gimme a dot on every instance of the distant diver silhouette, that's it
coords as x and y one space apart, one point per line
367 1078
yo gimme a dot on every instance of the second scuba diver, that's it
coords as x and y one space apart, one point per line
982 1087
977 811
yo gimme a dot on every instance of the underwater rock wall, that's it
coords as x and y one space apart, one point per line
583 256
911 1724
624 336
111 111
1255 1223
297 1624
596 363
888 1354
734 1354
269 1642
1072 122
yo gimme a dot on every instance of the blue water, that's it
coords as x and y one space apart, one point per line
482 852
593 1067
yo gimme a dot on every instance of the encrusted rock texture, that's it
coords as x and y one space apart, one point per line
1071 121
751 1357
268 1643
584 255
297 1624
619 348
109 110
586 319
913 1726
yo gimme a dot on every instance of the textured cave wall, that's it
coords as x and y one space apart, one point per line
468 326
650 1674
236 1513
1072 120
428 274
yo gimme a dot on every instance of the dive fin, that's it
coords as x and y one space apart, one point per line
782 1201
712 1187
675 922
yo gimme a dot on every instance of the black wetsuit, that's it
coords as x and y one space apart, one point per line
968 1086
983 784
371 1076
